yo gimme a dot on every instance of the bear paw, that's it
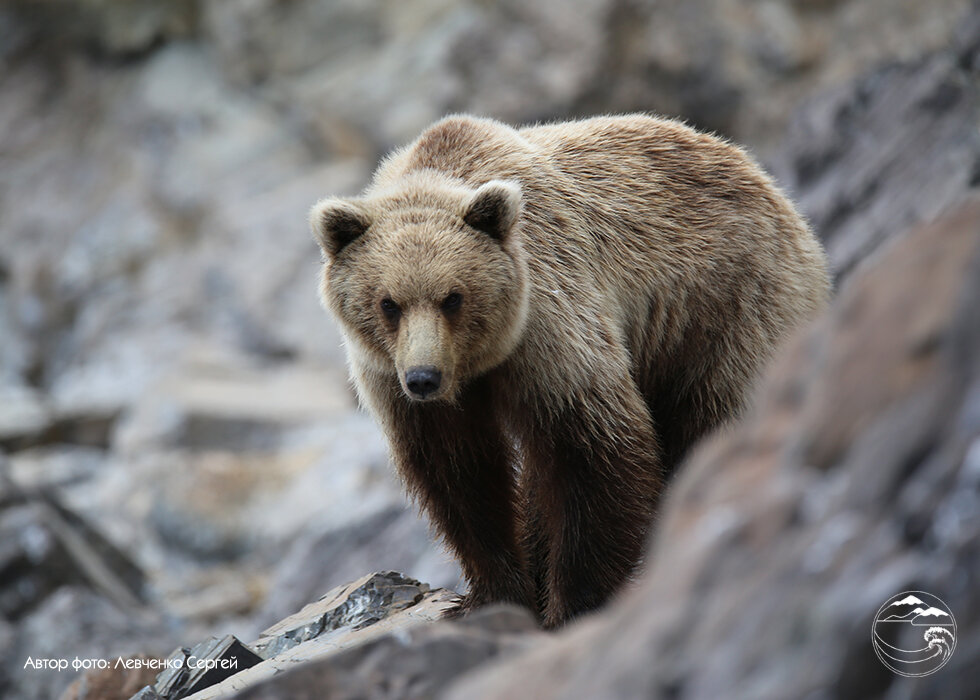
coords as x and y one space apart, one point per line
460 605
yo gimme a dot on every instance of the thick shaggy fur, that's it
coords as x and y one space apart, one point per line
620 281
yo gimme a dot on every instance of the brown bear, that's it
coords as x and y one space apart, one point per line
545 319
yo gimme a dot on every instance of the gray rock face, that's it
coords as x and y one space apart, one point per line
411 663
377 78
74 622
870 160
394 537
104 28
202 666
361 604
47 546
382 604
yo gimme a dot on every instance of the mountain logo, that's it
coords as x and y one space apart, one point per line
914 633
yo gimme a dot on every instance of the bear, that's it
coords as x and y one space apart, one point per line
545 319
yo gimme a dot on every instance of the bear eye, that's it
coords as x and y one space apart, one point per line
390 309
452 302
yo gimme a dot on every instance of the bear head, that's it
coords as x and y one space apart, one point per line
427 278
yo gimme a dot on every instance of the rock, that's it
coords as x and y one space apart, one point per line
353 607
222 403
743 67
376 605
275 39
411 663
75 622
204 665
124 215
729 65
15 351
31 562
895 148
53 467
220 592
27 420
395 538
46 545
116 683
105 28
218 504
855 479
22 414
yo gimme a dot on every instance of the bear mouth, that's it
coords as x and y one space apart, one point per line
437 396
420 399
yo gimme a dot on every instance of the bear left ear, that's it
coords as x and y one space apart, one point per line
494 208
336 223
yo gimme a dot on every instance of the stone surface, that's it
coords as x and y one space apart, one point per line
394 538
410 662
99 26
113 683
75 622
360 604
855 479
46 546
206 664
737 66
379 605
871 159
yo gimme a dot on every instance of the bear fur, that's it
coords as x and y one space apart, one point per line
544 320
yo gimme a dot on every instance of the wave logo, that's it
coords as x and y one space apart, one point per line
914 633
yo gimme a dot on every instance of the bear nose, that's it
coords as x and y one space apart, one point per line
422 381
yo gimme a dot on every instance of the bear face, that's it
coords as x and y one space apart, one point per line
428 280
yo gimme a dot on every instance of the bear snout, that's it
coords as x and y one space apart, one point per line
422 382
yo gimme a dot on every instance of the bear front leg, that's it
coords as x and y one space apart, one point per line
535 540
456 461
592 481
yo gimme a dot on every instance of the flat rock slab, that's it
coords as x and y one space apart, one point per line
346 609
348 616
411 663
429 609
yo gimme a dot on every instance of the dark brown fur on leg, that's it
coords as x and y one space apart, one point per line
458 464
534 538
596 497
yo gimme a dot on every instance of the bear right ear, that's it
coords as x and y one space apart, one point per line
336 223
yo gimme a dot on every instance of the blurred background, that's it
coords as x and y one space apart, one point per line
180 450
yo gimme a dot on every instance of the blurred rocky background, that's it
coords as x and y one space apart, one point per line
180 452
